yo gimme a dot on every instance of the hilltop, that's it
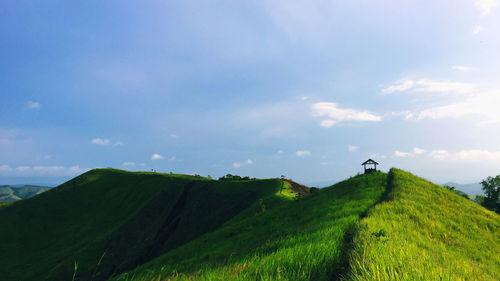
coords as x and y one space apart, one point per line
111 224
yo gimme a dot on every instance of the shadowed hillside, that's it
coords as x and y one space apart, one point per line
117 219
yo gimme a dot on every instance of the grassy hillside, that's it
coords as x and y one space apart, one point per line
14 193
425 232
277 238
116 219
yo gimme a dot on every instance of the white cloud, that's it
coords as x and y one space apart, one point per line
439 154
402 86
462 68
172 158
484 105
418 151
327 123
303 153
100 141
352 148
280 152
51 171
118 143
156 156
466 155
429 86
33 105
5 169
478 154
477 29
333 114
398 153
486 7
128 164
241 164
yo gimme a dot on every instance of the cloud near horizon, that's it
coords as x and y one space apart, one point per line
50 171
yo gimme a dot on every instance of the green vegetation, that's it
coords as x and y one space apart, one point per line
14 193
274 239
116 219
230 177
491 188
115 225
425 232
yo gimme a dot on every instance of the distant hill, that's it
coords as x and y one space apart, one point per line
11 193
471 188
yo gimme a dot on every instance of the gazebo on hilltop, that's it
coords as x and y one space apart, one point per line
370 166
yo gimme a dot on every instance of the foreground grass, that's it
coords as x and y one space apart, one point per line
274 239
425 232
107 220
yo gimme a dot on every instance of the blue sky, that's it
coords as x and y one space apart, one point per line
308 89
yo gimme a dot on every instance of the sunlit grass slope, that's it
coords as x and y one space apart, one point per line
425 232
277 238
108 221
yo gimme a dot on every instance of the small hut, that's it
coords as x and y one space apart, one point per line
370 166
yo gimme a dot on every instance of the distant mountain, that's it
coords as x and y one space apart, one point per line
11 193
471 188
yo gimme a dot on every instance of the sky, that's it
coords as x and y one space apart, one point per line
306 89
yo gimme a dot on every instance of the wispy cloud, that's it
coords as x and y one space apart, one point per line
157 156
418 151
100 141
468 155
462 68
398 153
352 148
303 153
429 86
439 154
332 114
241 164
128 164
483 105
49 171
33 105
477 29
118 143
486 7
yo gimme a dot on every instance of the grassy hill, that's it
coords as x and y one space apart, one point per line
275 239
114 225
14 193
119 218
425 232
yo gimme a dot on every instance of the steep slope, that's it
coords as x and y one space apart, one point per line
275 239
425 232
107 221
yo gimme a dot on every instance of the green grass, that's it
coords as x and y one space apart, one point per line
425 232
275 239
115 215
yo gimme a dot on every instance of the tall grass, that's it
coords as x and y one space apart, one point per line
425 232
300 239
